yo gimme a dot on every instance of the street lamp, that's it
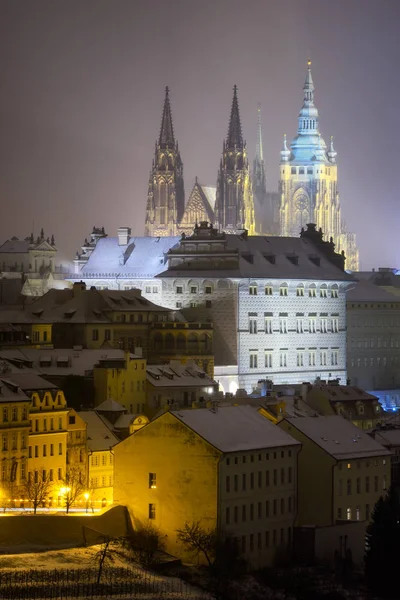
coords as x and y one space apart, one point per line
86 496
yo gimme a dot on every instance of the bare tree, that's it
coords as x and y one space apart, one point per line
199 540
74 486
37 488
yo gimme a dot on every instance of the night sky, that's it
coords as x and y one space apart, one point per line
82 87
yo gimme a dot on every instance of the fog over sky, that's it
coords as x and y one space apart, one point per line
82 87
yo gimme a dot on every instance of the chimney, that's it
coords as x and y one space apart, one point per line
124 233
78 287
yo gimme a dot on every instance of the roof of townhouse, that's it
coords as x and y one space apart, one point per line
338 437
99 435
235 428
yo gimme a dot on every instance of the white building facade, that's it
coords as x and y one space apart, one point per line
278 305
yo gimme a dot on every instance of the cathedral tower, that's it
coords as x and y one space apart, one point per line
166 195
259 179
308 181
234 208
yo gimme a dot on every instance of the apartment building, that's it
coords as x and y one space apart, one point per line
342 470
229 468
14 432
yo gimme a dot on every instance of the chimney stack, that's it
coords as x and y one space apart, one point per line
124 233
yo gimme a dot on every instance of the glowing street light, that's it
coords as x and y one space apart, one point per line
87 496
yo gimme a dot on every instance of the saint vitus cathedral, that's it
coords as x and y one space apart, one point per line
308 191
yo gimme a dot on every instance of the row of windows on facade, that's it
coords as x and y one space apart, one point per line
41 336
34 450
5 445
269 540
310 325
268 289
350 515
260 510
108 337
106 459
259 479
15 414
375 342
140 386
359 464
5 474
139 318
309 170
283 357
378 361
375 320
46 476
35 425
258 457
333 291
104 481
358 488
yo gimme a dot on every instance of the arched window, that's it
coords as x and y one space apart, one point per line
192 342
204 342
169 341
312 290
181 342
334 291
300 290
158 341
283 289
323 291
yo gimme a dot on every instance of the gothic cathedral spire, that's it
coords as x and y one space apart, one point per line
259 179
166 195
234 208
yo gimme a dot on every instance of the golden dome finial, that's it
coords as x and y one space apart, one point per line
309 62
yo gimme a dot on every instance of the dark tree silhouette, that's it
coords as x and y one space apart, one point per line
37 488
383 546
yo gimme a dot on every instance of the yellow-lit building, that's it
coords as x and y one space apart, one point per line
14 431
342 471
230 469
77 445
48 431
122 379
352 403
100 466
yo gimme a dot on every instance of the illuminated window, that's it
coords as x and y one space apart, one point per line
152 481
283 290
253 290
253 360
268 290
348 514
152 511
300 290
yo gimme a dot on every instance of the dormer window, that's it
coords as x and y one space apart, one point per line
293 259
312 291
283 290
360 409
300 290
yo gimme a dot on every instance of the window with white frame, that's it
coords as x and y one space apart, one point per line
268 290
283 358
299 325
335 324
283 290
334 358
300 358
253 359
252 323
283 324
324 325
268 324
268 359
253 289
312 291
312 325
311 358
322 357
323 292
334 292
300 290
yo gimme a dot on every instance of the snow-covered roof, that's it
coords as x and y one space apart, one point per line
338 437
110 405
388 437
47 361
11 392
31 381
15 247
176 374
344 393
99 435
142 257
365 291
270 258
235 428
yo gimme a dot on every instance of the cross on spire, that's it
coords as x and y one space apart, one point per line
167 139
234 137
